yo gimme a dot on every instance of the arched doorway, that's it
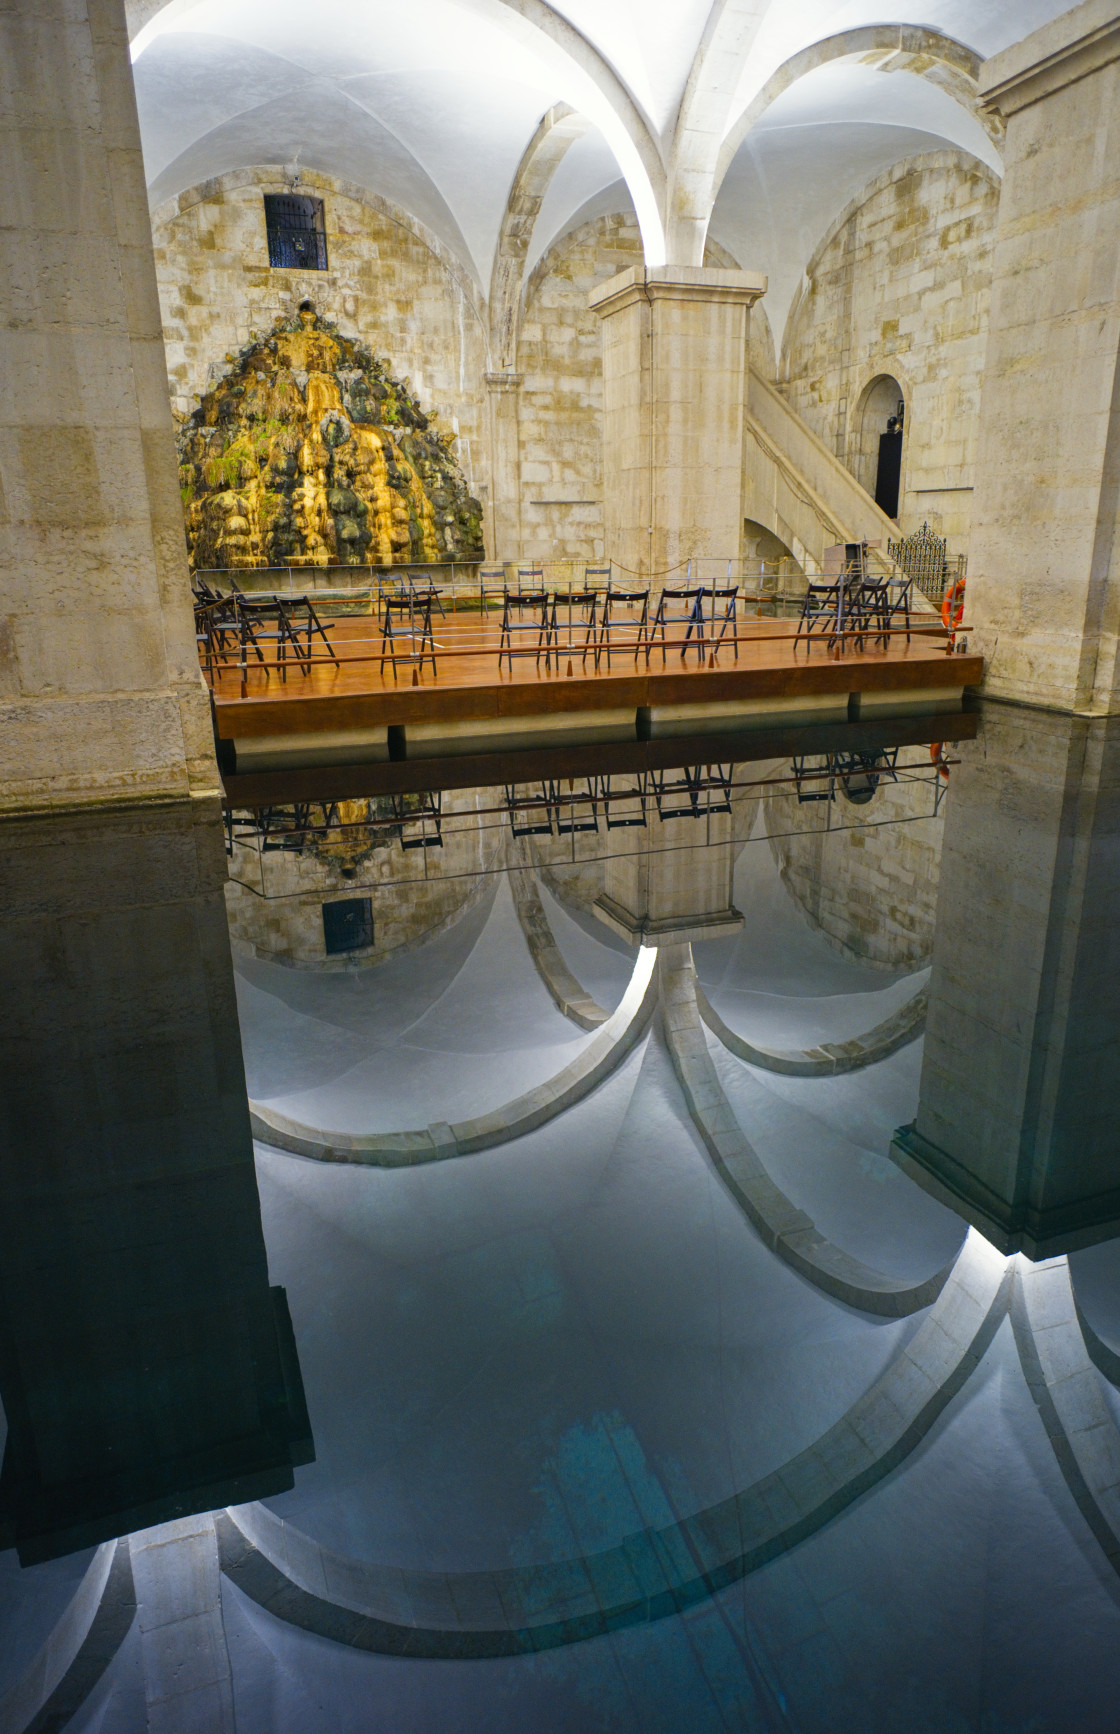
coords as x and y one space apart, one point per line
880 423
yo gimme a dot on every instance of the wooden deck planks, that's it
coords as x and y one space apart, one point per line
468 685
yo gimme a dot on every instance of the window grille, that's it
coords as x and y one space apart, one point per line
348 925
296 232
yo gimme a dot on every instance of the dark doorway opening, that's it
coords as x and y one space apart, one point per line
888 475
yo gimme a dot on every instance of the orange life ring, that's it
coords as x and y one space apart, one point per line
955 593
936 753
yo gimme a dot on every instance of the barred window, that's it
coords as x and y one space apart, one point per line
296 232
348 925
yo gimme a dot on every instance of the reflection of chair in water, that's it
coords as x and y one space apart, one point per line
856 776
421 820
574 812
624 804
524 611
693 793
530 815
625 613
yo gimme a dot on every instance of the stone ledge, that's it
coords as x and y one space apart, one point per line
1068 48
830 1058
1067 1393
645 1576
616 1037
786 1230
84 1641
567 993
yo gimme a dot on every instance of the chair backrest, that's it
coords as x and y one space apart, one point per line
688 595
592 572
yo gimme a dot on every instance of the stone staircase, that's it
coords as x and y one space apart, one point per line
796 488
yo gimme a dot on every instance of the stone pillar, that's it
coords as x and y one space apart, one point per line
100 693
674 390
505 467
1016 1124
1044 589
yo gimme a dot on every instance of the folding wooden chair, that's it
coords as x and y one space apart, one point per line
495 575
403 614
615 623
267 622
587 603
684 607
304 617
722 612
517 605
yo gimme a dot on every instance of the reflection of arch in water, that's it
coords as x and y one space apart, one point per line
879 429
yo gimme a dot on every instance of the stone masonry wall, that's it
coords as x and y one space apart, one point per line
901 287
560 411
560 357
872 888
389 283
275 903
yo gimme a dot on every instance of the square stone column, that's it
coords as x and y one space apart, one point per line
504 391
675 374
101 697
1044 584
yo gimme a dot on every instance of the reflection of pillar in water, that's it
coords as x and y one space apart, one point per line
1016 1126
672 879
147 1369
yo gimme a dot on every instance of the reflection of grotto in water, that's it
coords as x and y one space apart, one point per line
308 452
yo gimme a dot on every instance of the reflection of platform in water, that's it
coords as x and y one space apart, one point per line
358 713
598 804
341 782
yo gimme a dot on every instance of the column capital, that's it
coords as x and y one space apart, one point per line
1061 52
676 283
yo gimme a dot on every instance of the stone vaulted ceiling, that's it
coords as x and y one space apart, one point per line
758 120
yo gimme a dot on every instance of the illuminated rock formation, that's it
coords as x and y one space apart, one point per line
308 452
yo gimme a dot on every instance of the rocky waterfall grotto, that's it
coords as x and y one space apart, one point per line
309 453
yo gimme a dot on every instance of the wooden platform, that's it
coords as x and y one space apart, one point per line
357 711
